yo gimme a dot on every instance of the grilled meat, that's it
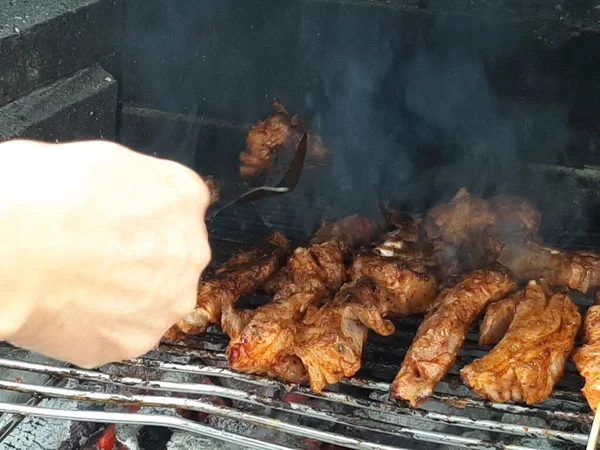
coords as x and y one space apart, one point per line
517 218
530 359
587 358
351 231
243 273
264 340
330 339
441 334
578 269
278 132
498 317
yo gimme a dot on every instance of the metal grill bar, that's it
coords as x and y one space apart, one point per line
359 419
140 419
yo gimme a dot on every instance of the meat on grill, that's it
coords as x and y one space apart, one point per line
576 269
263 341
498 317
331 338
280 131
587 358
469 232
442 333
242 274
351 231
530 359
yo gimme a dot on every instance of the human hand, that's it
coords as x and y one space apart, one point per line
102 249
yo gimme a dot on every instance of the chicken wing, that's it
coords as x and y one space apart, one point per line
441 334
530 359
263 341
276 133
329 341
243 273
587 358
576 269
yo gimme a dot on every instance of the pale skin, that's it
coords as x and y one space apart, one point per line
101 249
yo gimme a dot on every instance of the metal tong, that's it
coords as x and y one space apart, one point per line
287 183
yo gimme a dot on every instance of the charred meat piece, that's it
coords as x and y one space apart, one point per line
351 231
527 363
577 269
497 319
241 275
263 341
280 131
587 358
442 333
330 339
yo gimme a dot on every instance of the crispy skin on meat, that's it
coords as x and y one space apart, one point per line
441 334
330 339
242 274
408 287
578 269
264 343
498 317
587 358
351 231
278 132
531 358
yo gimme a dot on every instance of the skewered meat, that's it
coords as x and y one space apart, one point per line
330 339
587 358
530 359
497 319
241 275
263 341
578 269
441 334
278 132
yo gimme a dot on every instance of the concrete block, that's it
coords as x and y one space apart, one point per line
80 107
43 41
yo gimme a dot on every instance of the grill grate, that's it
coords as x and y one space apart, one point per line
354 414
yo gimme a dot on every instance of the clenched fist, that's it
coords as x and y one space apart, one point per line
101 249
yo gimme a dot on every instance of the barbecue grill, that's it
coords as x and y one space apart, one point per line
417 98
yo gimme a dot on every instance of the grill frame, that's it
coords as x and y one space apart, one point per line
158 361
361 403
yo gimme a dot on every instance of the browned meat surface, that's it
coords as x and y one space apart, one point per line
277 281
497 319
516 217
454 222
527 363
578 269
351 231
469 232
587 358
442 333
264 340
280 131
330 339
240 275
